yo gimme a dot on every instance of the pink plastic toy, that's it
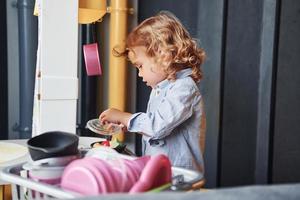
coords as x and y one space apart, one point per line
92 175
156 173
83 177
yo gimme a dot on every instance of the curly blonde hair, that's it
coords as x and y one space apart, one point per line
169 43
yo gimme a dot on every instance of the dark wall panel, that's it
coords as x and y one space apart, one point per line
266 90
241 75
3 72
286 160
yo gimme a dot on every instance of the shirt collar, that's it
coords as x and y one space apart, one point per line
180 74
183 73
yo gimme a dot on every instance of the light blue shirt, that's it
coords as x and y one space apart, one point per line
171 124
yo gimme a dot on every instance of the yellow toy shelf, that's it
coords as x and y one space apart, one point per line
90 11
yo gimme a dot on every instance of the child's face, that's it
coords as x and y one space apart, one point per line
148 69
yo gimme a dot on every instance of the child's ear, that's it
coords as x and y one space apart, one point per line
131 56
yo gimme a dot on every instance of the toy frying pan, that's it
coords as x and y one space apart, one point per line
91 55
92 60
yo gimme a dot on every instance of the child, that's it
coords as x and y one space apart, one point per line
169 61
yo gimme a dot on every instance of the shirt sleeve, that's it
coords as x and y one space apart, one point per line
175 108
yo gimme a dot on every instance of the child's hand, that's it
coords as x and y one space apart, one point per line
115 116
110 116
